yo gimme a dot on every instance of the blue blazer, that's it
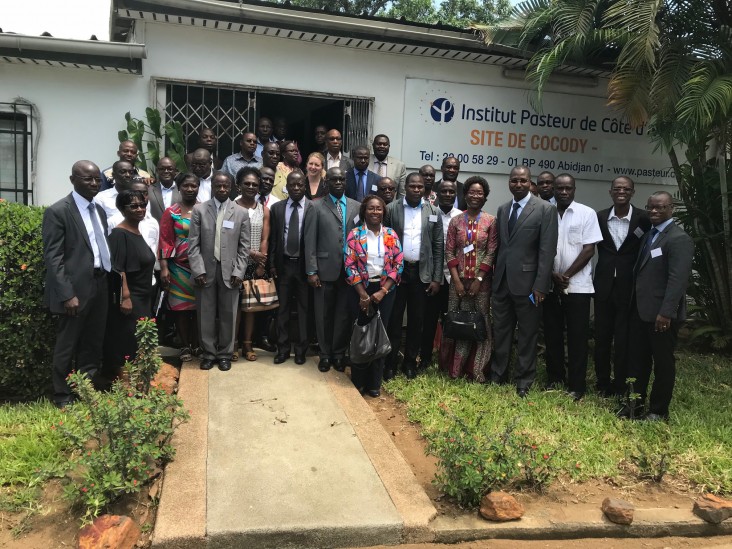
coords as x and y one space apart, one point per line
371 179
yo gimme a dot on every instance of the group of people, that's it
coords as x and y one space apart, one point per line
352 235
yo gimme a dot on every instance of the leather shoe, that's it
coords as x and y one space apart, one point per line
207 364
265 344
224 364
522 392
388 374
374 393
299 359
650 416
324 365
339 364
281 357
575 395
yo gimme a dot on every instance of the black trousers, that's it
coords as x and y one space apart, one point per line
612 320
333 318
292 285
367 377
79 341
410 295
510 311
434 307
570 311
653 351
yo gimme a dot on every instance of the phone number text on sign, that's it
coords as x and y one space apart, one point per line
473 162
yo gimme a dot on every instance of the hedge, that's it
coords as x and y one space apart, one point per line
27 332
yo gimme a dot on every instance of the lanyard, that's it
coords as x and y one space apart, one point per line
468 224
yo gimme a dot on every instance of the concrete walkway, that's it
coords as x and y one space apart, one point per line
288 457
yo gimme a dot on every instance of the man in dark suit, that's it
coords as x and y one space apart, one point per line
286 250
360 181
450 172
658 308
77 258
418 225
164 192
622 228
326 228
218 250
528 229
334 156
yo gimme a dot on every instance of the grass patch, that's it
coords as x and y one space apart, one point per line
31 451
589 442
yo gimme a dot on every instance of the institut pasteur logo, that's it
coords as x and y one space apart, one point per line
441 109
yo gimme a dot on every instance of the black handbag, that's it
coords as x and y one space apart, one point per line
464 325
370 341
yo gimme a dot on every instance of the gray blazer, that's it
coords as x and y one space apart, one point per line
660 282
324 244
432 248
395 170
526 257
68 255
235 241
155 197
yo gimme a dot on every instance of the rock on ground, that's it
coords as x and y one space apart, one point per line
618 511
500 506
713 508
109 532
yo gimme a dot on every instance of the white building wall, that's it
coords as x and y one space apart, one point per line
82 111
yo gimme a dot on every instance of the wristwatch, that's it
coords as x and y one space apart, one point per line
479 278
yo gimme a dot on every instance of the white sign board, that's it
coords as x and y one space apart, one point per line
491 129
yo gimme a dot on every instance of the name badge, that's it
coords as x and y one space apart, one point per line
469 248
433 218
228 224
356 220
374 188
638 232
655 252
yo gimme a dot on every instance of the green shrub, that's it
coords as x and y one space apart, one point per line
27 332
121 436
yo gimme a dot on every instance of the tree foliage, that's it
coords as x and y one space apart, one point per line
456 13
670 65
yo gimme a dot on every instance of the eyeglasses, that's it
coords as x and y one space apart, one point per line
249 184
519 180
477 194
387 189
137 206
89 178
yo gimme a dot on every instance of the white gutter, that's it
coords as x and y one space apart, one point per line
65 45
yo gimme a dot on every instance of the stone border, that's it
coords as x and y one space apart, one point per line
181 517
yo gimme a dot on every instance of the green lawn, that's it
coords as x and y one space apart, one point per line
587 439
31 450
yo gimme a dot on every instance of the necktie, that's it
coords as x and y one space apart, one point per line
513 218
382 169
361 186
99 237
341 217
217 237
649 242
293 232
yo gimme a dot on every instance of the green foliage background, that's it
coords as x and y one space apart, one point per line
27 332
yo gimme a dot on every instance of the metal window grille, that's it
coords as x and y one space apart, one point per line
357 123
15 150
227 111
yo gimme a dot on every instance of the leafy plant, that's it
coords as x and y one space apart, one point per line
120 436
26 328
147 135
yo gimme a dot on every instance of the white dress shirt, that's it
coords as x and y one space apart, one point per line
204 188
83 205
577 227
618 227
446 217
268 202
412 231
374 253
333 161
167 193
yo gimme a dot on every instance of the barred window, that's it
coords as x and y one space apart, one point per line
15 144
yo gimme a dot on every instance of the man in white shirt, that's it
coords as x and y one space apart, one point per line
164 192
436 305
335 157
569 303
201 167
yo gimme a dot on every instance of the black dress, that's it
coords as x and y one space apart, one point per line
130 255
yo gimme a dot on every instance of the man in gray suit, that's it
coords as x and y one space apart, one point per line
419 228
77 259
326 228
218 249
658 308
528 229
164 192
388 166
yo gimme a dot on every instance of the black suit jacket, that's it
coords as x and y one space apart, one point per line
277 214
616 265
68 255
459 194
351 184
660 282
155 197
